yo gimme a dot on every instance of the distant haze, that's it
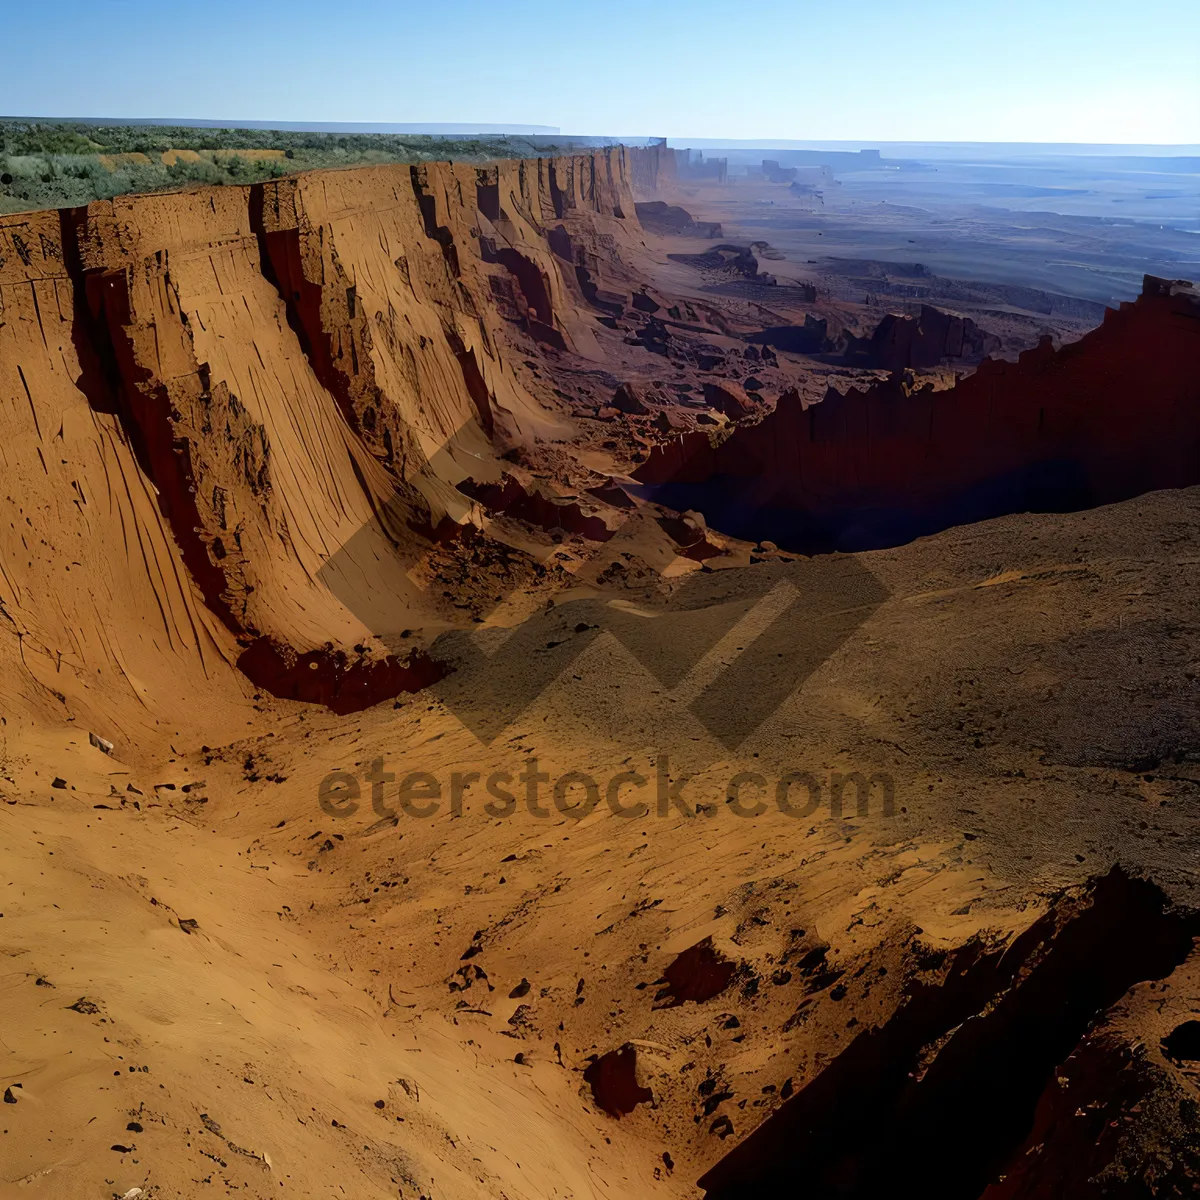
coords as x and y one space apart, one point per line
951 150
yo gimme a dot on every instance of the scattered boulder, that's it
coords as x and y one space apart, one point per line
644 302
727 398
766 355
698 974
671 422
690 535
627 399
652 336
613 1079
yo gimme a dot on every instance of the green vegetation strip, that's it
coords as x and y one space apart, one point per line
62 164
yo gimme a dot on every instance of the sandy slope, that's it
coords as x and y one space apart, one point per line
304 995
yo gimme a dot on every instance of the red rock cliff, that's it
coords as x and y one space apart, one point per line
1103 419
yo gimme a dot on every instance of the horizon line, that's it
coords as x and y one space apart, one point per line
518 129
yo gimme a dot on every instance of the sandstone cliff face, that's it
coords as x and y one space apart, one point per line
1103 419
285 365
98 609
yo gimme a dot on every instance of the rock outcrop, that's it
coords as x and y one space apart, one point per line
260 376
927 340
1102 419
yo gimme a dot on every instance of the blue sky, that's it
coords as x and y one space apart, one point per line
994 70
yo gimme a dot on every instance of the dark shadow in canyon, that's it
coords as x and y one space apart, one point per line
939 1098
1100 420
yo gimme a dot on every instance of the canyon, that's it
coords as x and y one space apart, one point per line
485 476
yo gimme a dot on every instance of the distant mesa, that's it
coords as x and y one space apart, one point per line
669 219
931 339
727 258
927 340
766 250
